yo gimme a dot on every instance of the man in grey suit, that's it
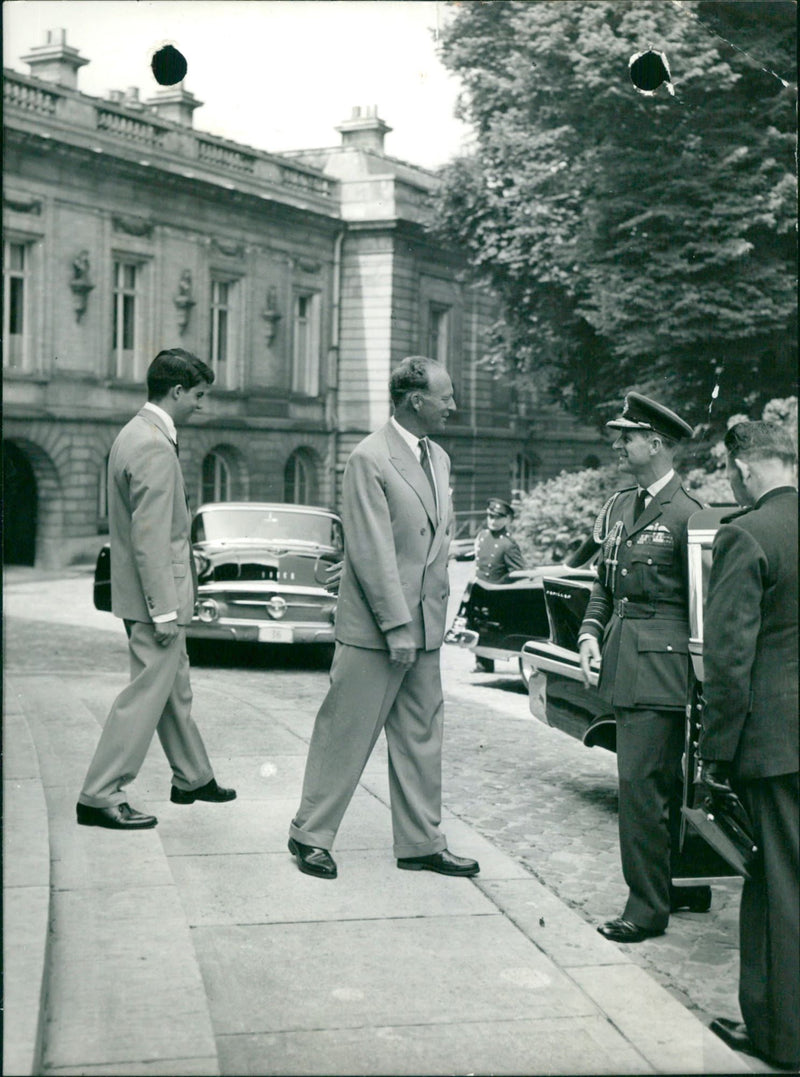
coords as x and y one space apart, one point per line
390 623
153 591
749 737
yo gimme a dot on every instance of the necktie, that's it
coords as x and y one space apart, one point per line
177 450
638 505
425 460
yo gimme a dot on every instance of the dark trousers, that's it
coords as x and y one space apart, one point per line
769 920
649 750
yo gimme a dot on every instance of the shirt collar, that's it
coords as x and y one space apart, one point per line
165 418
659 484
410 439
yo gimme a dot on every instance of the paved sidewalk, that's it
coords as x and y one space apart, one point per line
199 948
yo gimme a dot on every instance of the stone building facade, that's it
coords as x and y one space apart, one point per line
302 278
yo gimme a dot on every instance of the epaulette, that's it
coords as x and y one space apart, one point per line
601 523
735 515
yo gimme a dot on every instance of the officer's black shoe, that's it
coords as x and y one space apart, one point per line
689 898
620 930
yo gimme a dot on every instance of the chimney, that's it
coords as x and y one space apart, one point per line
175 104
131 98
55 61
365 129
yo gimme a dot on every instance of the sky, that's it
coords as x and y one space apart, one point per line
274 74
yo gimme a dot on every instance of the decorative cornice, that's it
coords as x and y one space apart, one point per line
306 265
230 250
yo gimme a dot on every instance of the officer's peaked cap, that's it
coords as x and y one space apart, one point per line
642 413
496 504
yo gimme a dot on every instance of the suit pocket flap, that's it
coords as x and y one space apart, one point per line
652 555
662 640
178 568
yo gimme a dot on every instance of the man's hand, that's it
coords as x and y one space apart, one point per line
589 651
332 577
714 778
402 651
165 632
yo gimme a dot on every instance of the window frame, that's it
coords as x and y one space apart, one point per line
306 367
22 351
231 309
127 363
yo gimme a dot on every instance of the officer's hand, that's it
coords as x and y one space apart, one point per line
165 632
402 651
714 779
589 651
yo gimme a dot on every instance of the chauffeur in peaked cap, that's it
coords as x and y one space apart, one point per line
496 555
637 626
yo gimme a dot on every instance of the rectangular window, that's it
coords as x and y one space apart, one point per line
439 333
124 319
305 344
223 294
16 288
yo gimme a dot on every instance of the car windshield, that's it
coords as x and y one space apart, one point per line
267 524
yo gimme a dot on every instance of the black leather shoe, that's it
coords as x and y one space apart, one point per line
116 817
445 863
620 930
313 861
735 1035
212 792
690 898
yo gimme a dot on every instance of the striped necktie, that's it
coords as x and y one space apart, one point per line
638 505
425 460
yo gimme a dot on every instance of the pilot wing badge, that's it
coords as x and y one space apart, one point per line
656 534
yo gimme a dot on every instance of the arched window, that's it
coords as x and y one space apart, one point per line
299 479
216 479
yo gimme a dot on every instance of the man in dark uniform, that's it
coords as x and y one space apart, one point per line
496 554
638 612
749 737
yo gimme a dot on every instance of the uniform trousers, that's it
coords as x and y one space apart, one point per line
157 699
367 694
649 749
769 920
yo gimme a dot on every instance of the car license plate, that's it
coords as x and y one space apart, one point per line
275 634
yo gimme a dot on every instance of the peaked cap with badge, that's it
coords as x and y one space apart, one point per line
498 507
641 413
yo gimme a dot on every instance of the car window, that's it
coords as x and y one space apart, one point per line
267 524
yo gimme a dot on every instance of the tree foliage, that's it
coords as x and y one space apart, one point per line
634 241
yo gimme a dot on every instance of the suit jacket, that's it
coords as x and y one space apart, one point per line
148 515
395 562
750 641
639 605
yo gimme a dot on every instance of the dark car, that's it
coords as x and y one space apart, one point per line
559 698
261 569
496 620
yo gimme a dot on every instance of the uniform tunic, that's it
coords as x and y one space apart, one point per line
638 610
750 720
496 554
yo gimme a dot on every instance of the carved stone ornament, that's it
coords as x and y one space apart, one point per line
184 300
133 226
271 314
81 283
23 205
307 265
230 250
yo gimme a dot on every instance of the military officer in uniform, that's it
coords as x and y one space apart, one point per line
638 617
496 554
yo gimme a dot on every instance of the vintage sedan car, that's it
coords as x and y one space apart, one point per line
495 620
559 698
261 569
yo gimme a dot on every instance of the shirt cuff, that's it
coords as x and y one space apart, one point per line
162 617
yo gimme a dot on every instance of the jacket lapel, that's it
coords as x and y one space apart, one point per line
409 467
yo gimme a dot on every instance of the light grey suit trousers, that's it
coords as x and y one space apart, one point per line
365 697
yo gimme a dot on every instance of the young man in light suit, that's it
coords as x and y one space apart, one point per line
390 623
153 591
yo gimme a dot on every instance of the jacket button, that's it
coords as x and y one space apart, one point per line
649 560
624 572
629 542
422 531
669 647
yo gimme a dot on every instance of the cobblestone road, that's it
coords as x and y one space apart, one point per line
537 794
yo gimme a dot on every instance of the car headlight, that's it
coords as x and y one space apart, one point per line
208 610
